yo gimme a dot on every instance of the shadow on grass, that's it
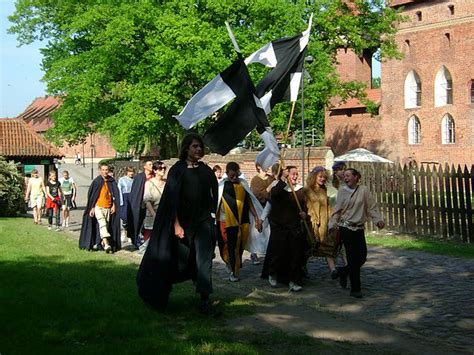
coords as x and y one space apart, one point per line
51 305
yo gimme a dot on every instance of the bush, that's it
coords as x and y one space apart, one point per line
12 189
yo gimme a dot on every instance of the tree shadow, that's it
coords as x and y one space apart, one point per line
351 137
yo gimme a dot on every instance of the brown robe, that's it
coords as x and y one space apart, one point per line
319 211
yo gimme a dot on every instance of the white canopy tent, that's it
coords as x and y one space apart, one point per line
362 155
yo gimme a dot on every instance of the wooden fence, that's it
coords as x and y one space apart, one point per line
432 201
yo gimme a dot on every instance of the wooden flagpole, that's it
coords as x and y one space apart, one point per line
309 233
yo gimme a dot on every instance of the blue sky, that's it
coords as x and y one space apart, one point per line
20 71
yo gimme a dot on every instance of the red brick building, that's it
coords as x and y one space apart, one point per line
38 116
426 99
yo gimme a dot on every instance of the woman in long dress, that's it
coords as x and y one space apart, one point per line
319 211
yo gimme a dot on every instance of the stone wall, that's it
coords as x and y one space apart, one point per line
314 156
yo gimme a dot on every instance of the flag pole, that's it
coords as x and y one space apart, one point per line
232 37
309 234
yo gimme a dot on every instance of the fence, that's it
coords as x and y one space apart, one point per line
426 201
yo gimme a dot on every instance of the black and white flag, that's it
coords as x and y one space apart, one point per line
219 91
286 57
238 120
251 105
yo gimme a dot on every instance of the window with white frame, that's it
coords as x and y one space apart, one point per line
443 87
412 90
447 130
414 130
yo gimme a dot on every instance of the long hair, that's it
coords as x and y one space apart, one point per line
186 142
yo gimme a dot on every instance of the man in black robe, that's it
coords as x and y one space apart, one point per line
135 208
183 240
90 237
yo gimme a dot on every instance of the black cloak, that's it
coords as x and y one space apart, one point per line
90 228
135 210
167 258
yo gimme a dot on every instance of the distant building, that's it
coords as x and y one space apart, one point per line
38 117
426 99
21 144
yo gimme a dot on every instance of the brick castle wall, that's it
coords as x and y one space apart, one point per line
443 36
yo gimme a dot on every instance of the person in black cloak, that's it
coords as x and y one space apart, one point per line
100 221
182 243
135 209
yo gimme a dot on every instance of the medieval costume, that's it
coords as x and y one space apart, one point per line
90 237
136 209
190 194
317 203
235 227
288 239
354 207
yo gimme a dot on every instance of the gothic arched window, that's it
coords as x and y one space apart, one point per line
412 90
414 130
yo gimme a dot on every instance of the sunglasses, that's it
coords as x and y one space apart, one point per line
162 168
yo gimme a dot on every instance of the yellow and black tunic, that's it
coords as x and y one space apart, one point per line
234 224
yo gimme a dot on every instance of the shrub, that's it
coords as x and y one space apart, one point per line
12 189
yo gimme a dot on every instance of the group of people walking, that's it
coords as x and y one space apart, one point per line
54 196
177 222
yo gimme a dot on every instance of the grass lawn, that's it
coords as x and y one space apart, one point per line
57 299
450 248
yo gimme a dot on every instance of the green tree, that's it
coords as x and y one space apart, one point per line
124 68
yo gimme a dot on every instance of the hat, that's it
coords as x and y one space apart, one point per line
318 169
338 164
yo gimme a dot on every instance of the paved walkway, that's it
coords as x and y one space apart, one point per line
413 301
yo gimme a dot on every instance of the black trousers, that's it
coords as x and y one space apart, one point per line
201 241
287 254
356 253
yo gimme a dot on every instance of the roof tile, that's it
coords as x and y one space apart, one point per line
19 139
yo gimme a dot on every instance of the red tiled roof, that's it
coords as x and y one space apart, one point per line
372 94
20 140
37 114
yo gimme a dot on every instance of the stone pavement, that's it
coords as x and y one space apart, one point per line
413 301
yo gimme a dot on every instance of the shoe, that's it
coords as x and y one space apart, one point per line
334 274
294 287
49 228
63 224
107 248
272 281
356 294
57 229
207 309
233 278
343 278
254 259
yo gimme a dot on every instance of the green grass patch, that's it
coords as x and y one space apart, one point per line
450 248
58 299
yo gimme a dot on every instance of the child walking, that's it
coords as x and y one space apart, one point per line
53 200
